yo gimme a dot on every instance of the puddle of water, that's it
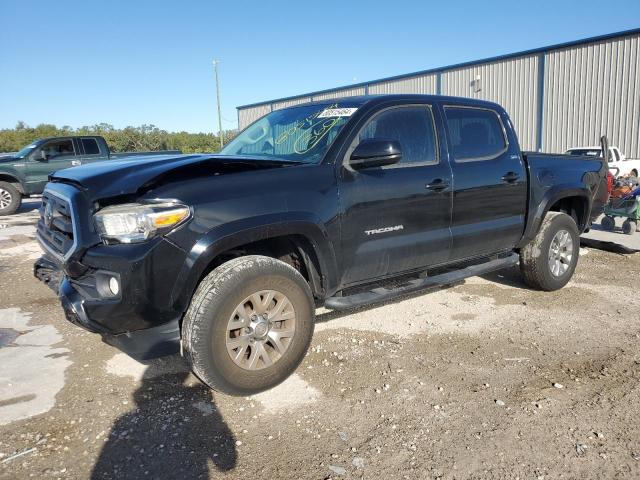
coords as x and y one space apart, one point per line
32 370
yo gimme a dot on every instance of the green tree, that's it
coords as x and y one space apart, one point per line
129 139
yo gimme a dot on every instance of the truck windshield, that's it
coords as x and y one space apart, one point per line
297 134
26 151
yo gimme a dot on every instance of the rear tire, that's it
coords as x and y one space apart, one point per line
549 260
10 199
608 223
224 299
629 227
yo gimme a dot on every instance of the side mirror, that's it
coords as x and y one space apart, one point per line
42 156
375 153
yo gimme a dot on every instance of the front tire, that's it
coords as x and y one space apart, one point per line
249 325
10 199
549 260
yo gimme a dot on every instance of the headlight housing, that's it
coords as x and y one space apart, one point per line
135 222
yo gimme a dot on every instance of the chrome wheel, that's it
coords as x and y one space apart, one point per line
5 198
260 330
560 253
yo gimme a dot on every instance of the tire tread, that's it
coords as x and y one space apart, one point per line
533 261
209 288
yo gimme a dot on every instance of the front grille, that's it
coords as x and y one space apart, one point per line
55 227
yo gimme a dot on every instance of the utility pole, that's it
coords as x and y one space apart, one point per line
215 67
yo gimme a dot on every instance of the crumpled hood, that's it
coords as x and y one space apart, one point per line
125 176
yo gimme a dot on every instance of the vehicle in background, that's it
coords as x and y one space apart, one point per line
617 161
26 172
340 203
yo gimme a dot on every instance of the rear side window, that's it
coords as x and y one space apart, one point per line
90 146
411 126
475 133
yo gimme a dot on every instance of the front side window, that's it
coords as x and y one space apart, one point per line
58 148
299 134
475 133
412 127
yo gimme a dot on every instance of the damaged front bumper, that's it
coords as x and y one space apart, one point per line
139 318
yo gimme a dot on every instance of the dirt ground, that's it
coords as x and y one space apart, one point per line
486 379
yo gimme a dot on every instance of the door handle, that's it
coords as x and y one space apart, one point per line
510 177
437 185
75 163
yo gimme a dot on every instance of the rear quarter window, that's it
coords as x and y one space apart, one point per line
90 146
475 133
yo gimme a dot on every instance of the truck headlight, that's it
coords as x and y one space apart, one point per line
134 222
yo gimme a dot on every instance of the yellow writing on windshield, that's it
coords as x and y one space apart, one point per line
313 135
313 130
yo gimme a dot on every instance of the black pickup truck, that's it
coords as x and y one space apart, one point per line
226 257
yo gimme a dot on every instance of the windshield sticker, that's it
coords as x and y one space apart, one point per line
337 112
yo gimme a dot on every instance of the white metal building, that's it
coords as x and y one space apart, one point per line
558 96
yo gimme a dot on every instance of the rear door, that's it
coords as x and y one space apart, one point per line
59 153
489 181
396 218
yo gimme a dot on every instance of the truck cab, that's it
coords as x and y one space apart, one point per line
50 155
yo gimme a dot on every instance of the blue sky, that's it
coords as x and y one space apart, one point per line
135 62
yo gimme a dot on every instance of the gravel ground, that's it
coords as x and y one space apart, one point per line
486 379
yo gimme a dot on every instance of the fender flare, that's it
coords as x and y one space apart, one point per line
234 234
550 198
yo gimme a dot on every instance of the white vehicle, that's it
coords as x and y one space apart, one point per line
626 166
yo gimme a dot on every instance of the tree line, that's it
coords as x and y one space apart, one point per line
129 139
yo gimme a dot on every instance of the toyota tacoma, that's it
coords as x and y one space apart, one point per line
342 203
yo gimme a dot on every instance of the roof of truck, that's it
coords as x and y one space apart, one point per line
366 99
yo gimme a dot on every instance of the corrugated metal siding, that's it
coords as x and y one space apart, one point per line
291 102
425 84
246 116
511 83
348 92
590 90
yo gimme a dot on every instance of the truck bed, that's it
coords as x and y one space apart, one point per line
549 173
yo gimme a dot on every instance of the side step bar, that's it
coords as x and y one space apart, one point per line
382 294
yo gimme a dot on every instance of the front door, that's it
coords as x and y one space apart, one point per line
49 157
490 182
396 218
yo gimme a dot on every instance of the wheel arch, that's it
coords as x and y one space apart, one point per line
574 201
13 180
264 236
